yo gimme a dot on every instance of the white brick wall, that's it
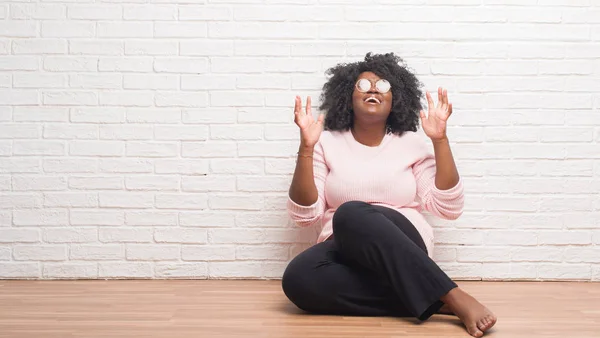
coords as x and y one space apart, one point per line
154 139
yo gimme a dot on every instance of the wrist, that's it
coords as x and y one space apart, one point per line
439 141
305 150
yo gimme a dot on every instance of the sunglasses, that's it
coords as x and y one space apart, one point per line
364 85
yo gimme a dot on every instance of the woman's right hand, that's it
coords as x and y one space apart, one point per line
310 130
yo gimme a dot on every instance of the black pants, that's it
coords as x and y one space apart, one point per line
375 265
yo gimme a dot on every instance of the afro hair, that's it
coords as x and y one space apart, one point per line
336 96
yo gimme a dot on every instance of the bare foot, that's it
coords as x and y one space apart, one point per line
476 317
445 310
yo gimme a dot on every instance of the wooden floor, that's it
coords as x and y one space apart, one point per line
199 309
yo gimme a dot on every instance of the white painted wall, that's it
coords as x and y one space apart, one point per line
154 138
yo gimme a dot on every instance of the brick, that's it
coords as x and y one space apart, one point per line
208 82
208 252
216 183
126 132
126 165
8 235
19 97
182 270
40 253
70 131
18 29
125 64
118 29
40 114
96 183
150 183
154 115
126 200
181 65
206 219
264 30
70 270
461 237
234 269
246 132
95 47
265 115
571 237
206 48
94 12
262 252
39 148
180 30
156 252
20 201
150 12
97 217
263 184
38 11
237 166
261 220
188 167
184 133
96 81
126 235
482 254
146 218
210 115
70 64
70 235
5 253
39 46
70 98
181 201
96 148
124 270
557 271
70 200
151 81
152 149
237 99
19 270
68 29
510 237
236 65
152 47
209 149
38 183
267 149
127 98
181 99
20 130
236 202
181 235
96 252
19 165
45 217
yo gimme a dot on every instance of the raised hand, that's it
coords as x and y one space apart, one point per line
434 123
310 129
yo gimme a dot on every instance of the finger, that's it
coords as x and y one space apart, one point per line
422 114
445 99
440 98
429 101
449 109
321 118
297 105
309 106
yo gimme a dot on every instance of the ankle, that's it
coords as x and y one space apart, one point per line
451 298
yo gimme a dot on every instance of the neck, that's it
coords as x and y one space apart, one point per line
369 135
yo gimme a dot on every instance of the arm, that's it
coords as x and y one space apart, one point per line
306 202
439 186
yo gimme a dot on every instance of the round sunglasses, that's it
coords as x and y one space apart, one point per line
364 85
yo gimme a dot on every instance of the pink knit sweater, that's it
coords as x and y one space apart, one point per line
399 174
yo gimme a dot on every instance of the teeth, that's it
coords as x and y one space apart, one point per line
372 99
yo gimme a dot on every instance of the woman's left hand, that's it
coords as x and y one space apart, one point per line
434 123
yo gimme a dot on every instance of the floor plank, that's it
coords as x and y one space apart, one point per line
214 308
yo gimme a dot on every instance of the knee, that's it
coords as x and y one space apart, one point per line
293 284
346 215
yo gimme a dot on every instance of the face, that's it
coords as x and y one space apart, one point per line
372 102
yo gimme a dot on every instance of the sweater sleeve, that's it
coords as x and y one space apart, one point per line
446 204
305 216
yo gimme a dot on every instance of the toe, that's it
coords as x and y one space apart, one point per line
474 331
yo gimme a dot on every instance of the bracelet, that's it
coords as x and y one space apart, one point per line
310 156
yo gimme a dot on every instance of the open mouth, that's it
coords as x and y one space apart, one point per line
372 100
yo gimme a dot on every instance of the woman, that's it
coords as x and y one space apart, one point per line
367 178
